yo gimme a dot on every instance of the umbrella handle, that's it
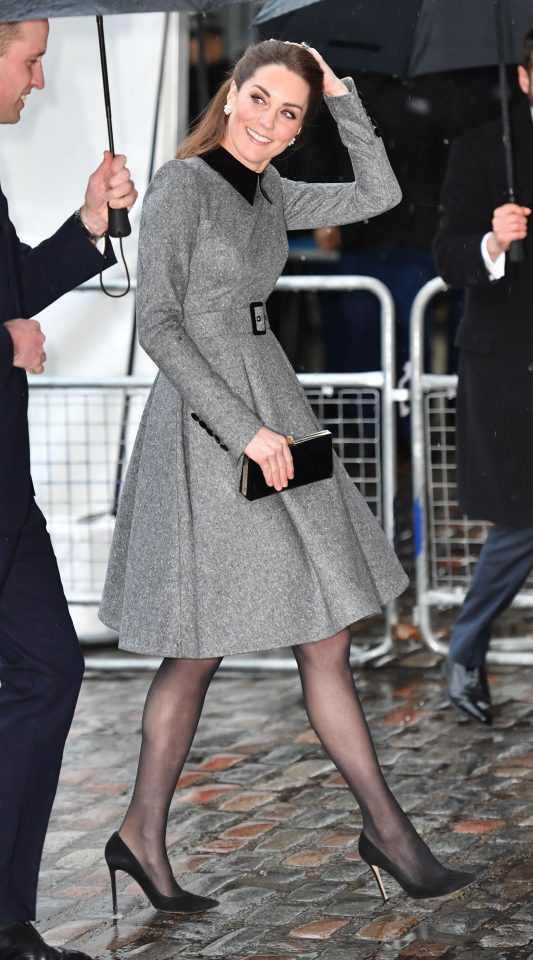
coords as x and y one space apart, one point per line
517 251
119 224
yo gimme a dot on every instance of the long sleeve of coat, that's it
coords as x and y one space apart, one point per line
466 217
75 259
374 188
30 279
6 356
42 274
166 245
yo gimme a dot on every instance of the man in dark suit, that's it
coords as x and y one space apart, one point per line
495 393
41 665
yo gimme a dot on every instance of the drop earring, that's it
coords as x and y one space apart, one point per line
292 142
227 109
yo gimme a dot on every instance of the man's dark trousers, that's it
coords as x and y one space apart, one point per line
504 564
41 668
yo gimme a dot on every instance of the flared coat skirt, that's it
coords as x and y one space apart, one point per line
196 570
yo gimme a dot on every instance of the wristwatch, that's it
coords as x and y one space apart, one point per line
94 237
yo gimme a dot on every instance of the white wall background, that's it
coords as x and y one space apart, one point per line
45 161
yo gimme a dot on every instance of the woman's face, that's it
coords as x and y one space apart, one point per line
266 112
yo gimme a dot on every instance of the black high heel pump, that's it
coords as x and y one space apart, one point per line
444 883
119 857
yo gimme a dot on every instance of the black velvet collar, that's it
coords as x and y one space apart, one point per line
240 177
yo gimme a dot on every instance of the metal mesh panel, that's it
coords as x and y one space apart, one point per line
81 440
354 417
455 540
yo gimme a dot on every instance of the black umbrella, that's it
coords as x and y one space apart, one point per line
401 37
350 34
407 38
33 10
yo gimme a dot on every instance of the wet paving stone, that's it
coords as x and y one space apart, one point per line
243 862
355 907
315 892
523 872
205 794
317 820
262 821
478 826
387 928
507 938
233 943
307 858
282 916
293 948
247 801
284 840
361 952
249 830
271 956
424 950
346 872
248 774
319 929
281 879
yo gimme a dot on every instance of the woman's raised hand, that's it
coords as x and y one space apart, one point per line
332 86
271 451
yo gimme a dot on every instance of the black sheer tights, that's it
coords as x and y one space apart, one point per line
170 719
171 715
336 715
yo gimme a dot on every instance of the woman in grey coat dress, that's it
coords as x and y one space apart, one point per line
196 570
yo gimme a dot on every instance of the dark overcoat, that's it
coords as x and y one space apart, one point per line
495 393
30 280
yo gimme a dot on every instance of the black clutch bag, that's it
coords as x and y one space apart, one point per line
312 458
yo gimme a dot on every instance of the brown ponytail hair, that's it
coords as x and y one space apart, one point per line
210 130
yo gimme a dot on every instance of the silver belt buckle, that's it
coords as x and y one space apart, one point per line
258 315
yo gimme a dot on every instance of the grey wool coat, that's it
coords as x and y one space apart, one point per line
196 570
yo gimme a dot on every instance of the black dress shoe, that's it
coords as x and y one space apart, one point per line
20 941
468 690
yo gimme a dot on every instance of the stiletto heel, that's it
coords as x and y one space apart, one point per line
443 882
113 875
379 881
119 857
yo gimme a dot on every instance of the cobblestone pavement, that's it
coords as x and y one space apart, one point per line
263 822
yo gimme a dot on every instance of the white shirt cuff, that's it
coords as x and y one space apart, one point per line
495 268
100 245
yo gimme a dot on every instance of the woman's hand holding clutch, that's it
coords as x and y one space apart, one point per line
271 451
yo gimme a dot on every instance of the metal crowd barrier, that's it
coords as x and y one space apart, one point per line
447 543
82 434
